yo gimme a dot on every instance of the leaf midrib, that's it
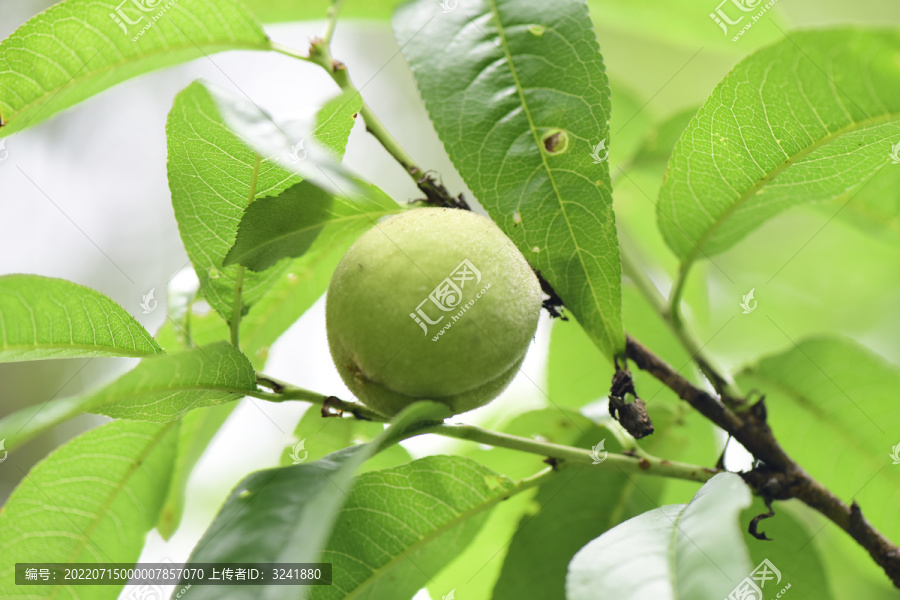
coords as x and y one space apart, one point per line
422 541
495 11
673 543
119 351
136 464
98 402
791 160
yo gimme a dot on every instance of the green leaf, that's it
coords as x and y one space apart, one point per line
159 389
76 49
572 509
832 405
518 94
213 176
678 551
287 514
44 318
401 526
196 431
321 436
794 123
215 171
483 558
305 280
304 215
91 500
875 208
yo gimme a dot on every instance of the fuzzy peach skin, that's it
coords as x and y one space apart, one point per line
435 304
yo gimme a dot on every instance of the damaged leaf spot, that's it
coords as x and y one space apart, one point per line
537 30
556 141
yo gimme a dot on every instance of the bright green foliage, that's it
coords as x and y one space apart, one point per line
215 172
159 389
794 123
196 430
165 388
323 436
44 318
518 94
484 557
92 500
76 49
572 509
213 176
675 552
832 405
303 217
441 501
287 514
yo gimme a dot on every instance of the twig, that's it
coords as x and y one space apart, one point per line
722 383
435 192
627 464
779 478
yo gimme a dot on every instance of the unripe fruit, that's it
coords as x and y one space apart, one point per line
433 304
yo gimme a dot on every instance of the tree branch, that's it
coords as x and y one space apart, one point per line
626 463
435 192
779 478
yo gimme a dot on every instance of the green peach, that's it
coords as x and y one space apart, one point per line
434 304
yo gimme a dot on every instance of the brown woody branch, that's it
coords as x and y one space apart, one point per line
779 477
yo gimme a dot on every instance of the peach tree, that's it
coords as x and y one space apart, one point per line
618 486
